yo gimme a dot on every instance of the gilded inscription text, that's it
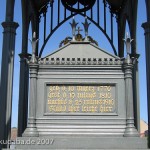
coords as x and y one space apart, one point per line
80 99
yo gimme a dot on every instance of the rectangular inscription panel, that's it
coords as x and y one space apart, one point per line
81 99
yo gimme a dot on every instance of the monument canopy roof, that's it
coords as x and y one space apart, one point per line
81 50
114 4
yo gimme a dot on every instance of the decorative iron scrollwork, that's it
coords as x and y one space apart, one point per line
85 5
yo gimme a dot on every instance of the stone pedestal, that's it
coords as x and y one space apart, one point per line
80 102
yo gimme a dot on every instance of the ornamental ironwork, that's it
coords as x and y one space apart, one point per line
83 5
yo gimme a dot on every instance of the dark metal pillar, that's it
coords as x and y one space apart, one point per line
135 54
7 69
24 71
146 27
23 94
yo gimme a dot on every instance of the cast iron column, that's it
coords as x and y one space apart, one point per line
24 70
23 94
146 27
7 70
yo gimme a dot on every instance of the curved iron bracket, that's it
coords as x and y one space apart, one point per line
87 4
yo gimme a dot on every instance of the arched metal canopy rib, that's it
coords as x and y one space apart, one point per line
116 5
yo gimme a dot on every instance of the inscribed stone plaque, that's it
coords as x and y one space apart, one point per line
79 99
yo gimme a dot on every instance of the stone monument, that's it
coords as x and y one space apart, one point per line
81 97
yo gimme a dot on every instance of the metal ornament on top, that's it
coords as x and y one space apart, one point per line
86 5
78 37
128 42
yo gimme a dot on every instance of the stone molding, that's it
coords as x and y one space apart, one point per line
79 61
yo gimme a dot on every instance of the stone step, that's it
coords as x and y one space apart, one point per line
79 149
82 143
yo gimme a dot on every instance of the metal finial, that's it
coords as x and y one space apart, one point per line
86 27
78 30
128 41
73 25
34 44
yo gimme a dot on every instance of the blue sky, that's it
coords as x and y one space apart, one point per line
64 32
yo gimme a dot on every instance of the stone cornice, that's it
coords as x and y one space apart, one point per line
79 61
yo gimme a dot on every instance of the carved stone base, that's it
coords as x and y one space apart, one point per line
82 142
30 132
130 130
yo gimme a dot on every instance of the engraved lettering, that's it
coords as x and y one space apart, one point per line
81 99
